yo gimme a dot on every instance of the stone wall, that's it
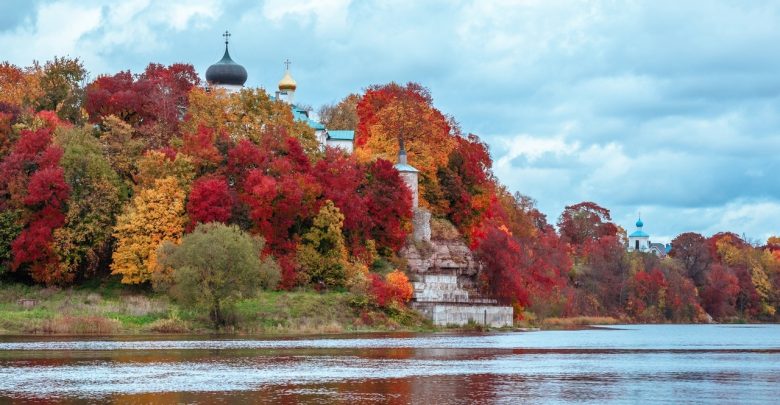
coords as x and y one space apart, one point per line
444 273
459 314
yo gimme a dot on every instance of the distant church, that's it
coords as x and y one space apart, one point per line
640 241
231 76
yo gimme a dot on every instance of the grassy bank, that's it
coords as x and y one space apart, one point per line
114 309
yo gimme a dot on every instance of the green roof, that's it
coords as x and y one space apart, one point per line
403 167
341 135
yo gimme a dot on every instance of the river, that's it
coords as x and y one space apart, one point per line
617 364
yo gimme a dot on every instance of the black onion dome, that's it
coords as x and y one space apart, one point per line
226 72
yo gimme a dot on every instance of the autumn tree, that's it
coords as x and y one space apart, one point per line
61 88
342 115
467 184
322 254
210 201
691 250
248 114
390 112
215 266
154 215
34 191
389 205
720 291
152 102
392 289
586 221
20 87
84 240
647 295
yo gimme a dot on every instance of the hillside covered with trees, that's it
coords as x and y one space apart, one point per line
130 176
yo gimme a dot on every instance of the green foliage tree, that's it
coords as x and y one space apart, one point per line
10 227
94 202
217 265
62 89
322 253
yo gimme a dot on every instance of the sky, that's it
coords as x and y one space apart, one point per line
668 108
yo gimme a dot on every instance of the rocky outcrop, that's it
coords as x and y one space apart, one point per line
444 273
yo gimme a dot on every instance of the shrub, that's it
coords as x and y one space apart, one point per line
215 266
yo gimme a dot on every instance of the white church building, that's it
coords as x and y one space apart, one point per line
231 76
639 241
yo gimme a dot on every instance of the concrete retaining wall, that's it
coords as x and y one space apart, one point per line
459 314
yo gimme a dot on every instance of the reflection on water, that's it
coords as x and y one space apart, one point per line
669 363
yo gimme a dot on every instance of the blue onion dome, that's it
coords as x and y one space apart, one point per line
226 71
639 223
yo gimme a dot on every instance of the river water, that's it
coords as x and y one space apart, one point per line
620 364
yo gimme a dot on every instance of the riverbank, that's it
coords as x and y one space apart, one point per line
109 309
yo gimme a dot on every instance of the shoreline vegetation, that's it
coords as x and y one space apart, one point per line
117 310
111 309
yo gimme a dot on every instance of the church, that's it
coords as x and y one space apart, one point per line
639 241
231 76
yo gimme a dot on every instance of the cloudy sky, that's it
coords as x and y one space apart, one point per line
671 108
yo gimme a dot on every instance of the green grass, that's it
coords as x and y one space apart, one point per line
111 308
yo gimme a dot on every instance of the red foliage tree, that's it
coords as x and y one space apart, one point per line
378 97
32 180
719 295
584 222
209 201
692 251
646 290
156 97
389 204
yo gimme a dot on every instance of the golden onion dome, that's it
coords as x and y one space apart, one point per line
287 82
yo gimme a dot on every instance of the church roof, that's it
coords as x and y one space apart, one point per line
341 135
638 234
287 82
226 71
405 167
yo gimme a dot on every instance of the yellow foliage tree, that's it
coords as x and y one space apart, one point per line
427 140
246 114
155 215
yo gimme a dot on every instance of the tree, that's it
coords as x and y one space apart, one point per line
389 205
32 184
61 88
394 288
154 215
83 242
210 201
691 250
10 227
342 115
20 87
322 254
248 114
391 112
719 295
467 184
152 102
217 265
584 222
647 295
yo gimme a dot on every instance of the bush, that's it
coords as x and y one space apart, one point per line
215 266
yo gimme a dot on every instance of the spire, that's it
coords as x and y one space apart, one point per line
402 152
227 38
